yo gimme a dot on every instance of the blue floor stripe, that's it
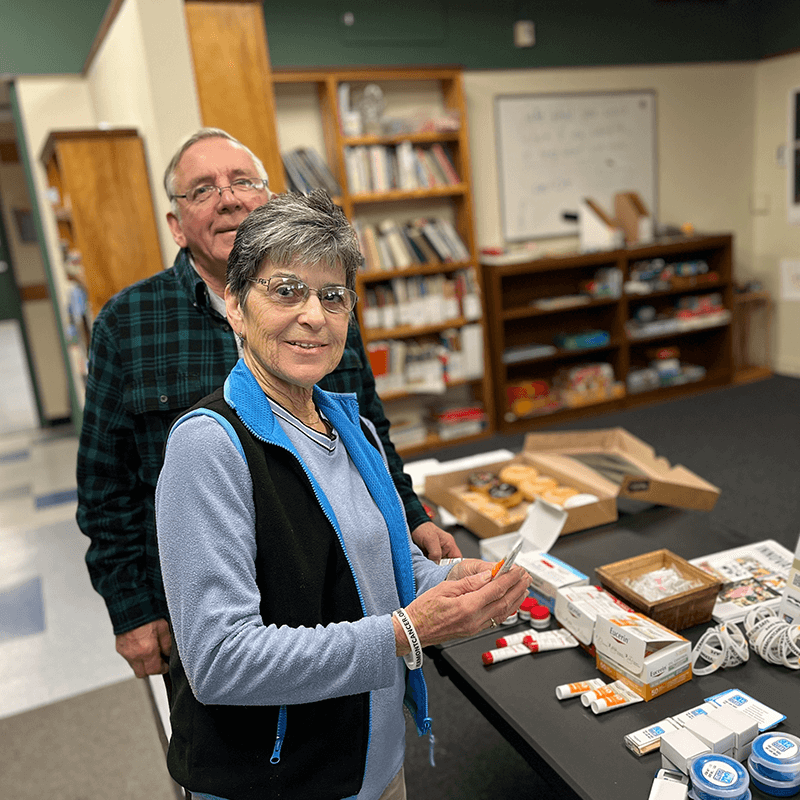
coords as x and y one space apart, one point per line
57 498
22 610
15 455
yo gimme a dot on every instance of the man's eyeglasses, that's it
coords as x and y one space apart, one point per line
293 292
244 187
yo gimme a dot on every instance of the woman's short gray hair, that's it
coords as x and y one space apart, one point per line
293 228
198 136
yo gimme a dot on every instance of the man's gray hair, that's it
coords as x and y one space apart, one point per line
289 229
198 136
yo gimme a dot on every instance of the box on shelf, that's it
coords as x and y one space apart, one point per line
630 467
676 612
449 490
645 655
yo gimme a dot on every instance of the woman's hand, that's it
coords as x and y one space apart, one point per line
457 608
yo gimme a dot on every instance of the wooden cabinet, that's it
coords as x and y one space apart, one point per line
545 324
102 201
451 201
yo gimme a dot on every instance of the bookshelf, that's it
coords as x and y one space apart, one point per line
414 310
665 335
103 208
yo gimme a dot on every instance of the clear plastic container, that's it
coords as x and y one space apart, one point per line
776 756
716 777
770 786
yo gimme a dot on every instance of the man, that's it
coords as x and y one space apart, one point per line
159 346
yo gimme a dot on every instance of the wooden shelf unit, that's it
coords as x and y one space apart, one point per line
513 321
406 204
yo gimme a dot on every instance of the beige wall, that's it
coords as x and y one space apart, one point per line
774 238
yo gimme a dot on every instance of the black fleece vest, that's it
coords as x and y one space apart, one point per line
304 579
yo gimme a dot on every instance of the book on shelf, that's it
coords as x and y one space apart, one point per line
380 168
305 171
427 177
446 163
428 254
408 179
401 255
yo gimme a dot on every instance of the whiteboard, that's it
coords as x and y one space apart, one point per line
555 149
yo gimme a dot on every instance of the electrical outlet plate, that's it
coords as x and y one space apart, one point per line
524 33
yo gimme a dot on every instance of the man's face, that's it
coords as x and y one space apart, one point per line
208 230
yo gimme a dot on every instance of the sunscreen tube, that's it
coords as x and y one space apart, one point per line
550 640
594 694
514 638
621 696
504 653
574 689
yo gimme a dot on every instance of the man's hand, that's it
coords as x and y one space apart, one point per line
147 648
434 542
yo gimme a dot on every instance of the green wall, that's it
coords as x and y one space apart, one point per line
55 36
38 37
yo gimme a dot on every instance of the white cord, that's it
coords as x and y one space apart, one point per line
774 639
722 646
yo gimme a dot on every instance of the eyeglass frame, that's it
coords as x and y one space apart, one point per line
220 189
349 293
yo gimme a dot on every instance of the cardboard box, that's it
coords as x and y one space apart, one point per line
645 655
539 531
447 490
577 609
676 612
638 473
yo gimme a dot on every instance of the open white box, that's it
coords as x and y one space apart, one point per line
648 657
539 531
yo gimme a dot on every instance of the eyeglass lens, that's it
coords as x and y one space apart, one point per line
242 187
335 299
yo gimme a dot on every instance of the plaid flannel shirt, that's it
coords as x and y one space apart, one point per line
158 347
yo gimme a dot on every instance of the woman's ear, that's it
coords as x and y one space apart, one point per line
233 311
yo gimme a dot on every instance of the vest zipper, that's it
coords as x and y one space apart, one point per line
279 736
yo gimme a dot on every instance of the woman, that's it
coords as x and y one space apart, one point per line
294 590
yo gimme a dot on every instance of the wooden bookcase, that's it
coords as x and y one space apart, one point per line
515 321
454 199
103 206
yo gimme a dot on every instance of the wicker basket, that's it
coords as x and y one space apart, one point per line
676 612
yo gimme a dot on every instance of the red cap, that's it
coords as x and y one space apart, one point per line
528 603
531 644
540 612
501 642
488 658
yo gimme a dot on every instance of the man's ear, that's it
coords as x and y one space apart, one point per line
176 229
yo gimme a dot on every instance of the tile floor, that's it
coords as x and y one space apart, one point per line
55 635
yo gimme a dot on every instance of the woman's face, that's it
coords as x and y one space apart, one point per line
293 345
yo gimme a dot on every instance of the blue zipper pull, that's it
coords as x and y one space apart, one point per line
279 736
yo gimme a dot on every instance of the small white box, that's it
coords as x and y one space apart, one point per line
682 718
669 785
744 729
577 608
716 735
679 747
645 740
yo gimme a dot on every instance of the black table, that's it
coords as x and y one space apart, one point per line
580 753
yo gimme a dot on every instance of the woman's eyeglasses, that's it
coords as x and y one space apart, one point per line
293 292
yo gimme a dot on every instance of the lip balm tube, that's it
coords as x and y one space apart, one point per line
567 690
621 696
504 653
550 640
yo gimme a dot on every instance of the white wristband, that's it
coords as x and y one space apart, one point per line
414 658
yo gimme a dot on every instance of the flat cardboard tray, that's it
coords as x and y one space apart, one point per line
627 464
675 612
446 490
